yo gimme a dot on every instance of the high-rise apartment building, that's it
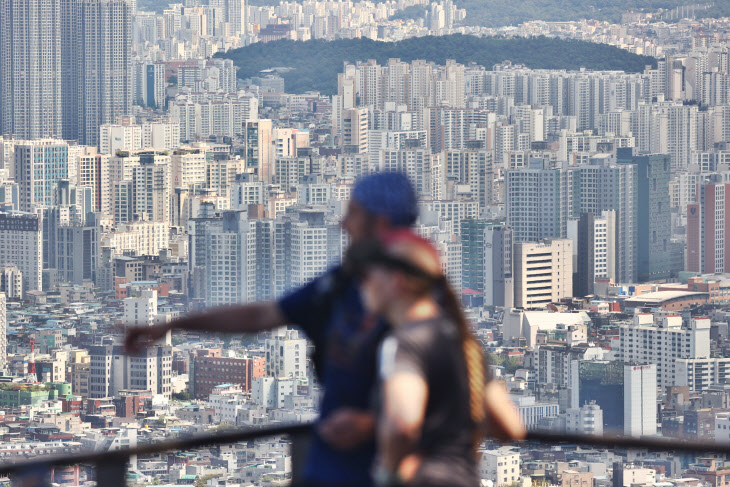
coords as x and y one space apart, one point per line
30 68
149 85
78 251
233 255
21 245
150 370
100 87
124 135
414 162
11 282
3 333
653 222
355 130
188 168
39 164
596 250
152 187
100 371
640 397
543 272
473 250
498 266
487 261
257 148
472 167
603 185
663 343
708 229
201 115
91 170
65 67
234 13
301 248
537 200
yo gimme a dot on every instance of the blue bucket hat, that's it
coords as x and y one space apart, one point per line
388 194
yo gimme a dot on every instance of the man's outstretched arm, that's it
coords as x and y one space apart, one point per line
249 318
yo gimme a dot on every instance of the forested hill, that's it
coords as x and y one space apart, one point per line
316 63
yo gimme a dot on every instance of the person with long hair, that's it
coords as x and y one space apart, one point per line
436 399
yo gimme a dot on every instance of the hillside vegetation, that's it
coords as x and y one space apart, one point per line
316 63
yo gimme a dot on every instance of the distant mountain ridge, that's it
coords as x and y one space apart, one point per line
316 63
499 13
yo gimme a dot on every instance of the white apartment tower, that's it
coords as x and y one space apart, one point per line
664 344
355 130
231 257
640 398
122 136
536 200
102 69
152 187
286 355
30 68
188 168
257 148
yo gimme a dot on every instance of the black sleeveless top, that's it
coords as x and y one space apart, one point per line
433 349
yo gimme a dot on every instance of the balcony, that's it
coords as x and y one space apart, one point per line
111 467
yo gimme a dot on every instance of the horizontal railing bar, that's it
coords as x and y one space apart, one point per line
629 442
159 447
606 441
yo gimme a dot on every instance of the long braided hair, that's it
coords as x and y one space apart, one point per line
473 356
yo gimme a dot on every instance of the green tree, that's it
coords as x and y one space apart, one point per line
181 396
222 428
201 481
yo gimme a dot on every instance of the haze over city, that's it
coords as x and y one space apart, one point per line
159 161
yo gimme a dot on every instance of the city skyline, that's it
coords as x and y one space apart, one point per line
581 216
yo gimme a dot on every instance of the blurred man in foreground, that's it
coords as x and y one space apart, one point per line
330 312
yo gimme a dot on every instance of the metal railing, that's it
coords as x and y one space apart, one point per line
111 466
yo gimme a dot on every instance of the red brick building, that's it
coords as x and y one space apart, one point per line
209 369
130 405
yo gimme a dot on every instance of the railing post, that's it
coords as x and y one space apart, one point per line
111 472
300 443
38 476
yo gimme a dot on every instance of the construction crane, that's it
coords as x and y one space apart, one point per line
31 360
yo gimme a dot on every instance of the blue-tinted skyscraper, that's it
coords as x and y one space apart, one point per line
653 222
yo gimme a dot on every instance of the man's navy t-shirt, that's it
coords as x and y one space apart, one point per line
346 341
